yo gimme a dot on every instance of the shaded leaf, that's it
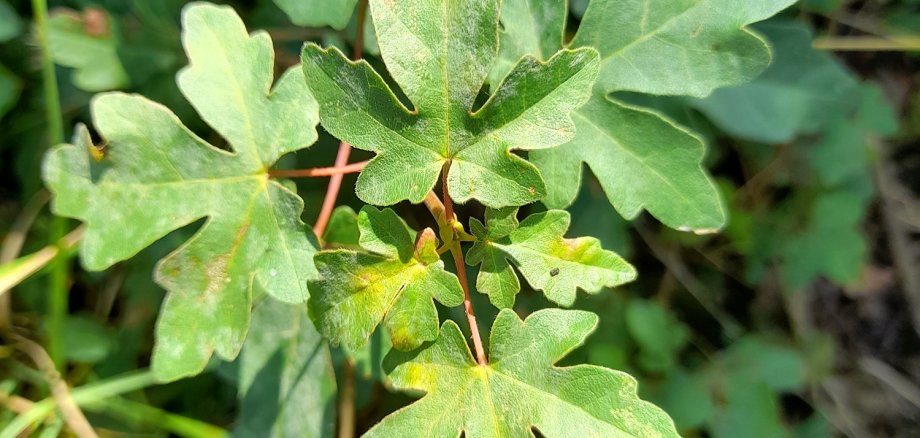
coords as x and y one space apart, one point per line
286 383
93 53
531 27
550 262
10 23
154 176
520 389
84 339
440 53
831 244
659 337
342 231
10 87
800 91
393 279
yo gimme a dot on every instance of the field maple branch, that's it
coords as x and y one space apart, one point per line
457 253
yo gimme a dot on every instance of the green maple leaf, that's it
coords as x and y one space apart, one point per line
440 52
548 261
157 176
394 279
642 160
520 389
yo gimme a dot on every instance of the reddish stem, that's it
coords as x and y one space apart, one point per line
341 158
318 171
460 264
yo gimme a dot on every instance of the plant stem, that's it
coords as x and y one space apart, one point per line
58 290
468 304
868 43
140 413
73 416
341 158
17 271
457 252
318 171
12 245
94 392
347 401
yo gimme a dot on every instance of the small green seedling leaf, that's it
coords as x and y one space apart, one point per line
550 262
440 53
154 176
315 13
520 389
393 279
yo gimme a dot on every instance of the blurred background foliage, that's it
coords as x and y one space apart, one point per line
801 319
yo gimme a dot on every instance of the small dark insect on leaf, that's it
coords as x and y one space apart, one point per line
554 272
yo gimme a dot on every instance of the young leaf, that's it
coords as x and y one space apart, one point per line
520 390
286 383
394 279
315 13
154 176
343 231
440 52
548 261
677 47
642 160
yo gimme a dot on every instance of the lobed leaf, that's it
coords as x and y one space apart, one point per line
439 53
642 160
677 47
154 176
393 279
550 262
520 389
